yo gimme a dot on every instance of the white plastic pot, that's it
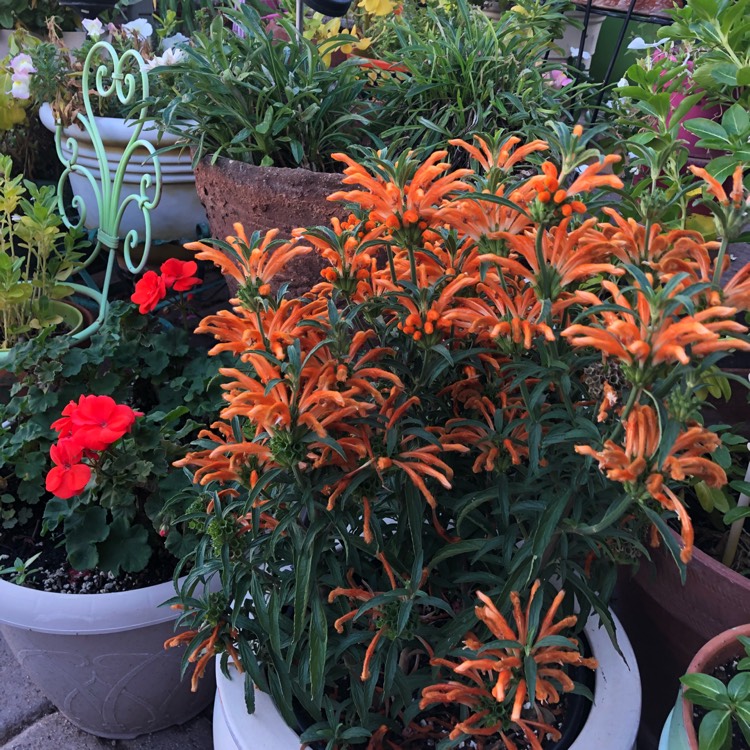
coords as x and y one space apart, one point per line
612 723
179 211
100 658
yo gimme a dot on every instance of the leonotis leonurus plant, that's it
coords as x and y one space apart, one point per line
418 428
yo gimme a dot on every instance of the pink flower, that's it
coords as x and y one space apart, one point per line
558 78
22 65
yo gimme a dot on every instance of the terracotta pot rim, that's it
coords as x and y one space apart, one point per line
221 162
710 655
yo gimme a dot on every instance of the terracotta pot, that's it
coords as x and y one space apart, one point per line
668 622
100 657
611 724
650 8
263 198
716 652
679 730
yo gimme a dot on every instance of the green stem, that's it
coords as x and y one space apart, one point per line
716 281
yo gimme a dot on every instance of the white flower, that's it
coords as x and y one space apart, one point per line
623 82
20 87
574 53
174 40
172 56
640 43
22 65
94 27
140 28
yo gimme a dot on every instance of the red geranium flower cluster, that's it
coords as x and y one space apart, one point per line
152 288
85 429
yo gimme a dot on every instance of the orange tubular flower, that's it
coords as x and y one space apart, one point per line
679 250
568 252
505 157
364 594
484 219
350 250
502 315
202 655
256 261
225 462
644 335
628 463
484 438
395 205
635 462
550 190
497 673
716 189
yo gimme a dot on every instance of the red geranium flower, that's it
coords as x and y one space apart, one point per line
98 421
69 476
64 425
180 274
149 292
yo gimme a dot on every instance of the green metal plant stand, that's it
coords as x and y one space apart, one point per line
124 77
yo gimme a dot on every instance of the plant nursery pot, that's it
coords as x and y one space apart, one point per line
178 213
100 658
571 37
263 198
612 723
679 730
708 112
668 622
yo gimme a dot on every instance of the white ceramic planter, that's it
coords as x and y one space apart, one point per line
612 723
179 210
100 658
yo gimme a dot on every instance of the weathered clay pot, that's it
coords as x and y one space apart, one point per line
263 198
668 623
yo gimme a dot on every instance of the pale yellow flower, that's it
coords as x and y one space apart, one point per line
377 7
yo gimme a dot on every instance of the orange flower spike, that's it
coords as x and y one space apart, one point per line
715 188
591 178
507 155
738 188
518 701
388 570
491 617
609 399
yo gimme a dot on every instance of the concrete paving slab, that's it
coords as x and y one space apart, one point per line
54 731
195 735
21 703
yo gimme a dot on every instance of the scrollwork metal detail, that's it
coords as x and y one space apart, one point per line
124 77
